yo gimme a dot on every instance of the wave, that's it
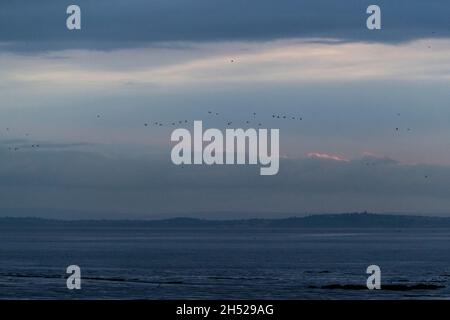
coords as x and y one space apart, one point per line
388 287
108 279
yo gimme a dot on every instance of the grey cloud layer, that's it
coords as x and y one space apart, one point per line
40 25
150 186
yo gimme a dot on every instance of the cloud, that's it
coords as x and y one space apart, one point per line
110 24
145 61
111 185
293 61
326 156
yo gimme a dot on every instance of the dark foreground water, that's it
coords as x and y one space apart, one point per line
146 263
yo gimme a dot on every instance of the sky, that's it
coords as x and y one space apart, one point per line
374 107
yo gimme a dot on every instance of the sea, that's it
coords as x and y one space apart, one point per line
223 263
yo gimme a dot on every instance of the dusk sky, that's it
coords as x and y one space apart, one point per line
374 134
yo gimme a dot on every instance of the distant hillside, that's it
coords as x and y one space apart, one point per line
345 220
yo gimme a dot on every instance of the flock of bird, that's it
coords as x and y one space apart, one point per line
397 128
228 122
254 119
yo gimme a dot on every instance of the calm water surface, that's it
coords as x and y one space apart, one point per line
149 263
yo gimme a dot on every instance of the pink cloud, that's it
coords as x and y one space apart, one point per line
326 156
